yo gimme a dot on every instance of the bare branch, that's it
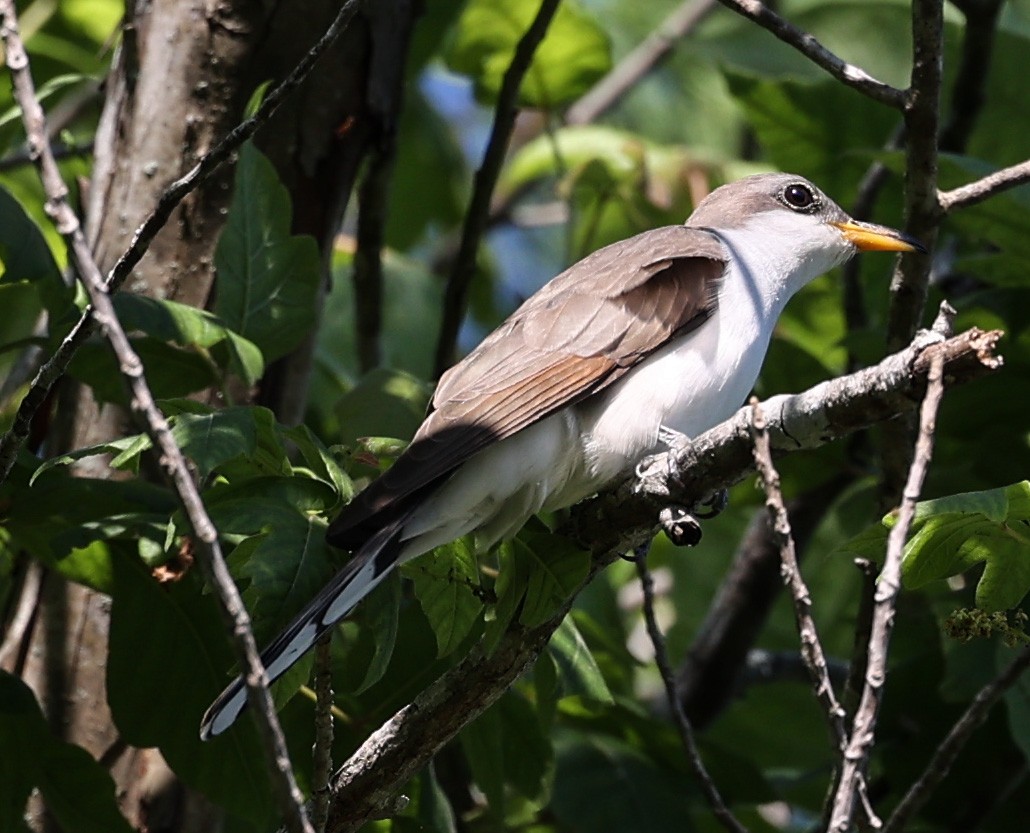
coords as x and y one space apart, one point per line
143 406
720 654
940 764
846 73
29 594
922 122
323 754
863 731
478 214
368 264
982 189
811 645
967 94
52 370
686 732
639 62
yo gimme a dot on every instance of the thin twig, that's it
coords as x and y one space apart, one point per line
863 629
940 764
922 216
721 653
811 645
863 732
322 764
368 257
21 158
982 189
29 595
911 278
173 463
846 73
686 732
144 235
478 213
967 92
640 61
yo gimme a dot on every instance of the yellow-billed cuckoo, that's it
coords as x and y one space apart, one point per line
664 332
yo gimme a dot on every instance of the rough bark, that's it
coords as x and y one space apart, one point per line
182 76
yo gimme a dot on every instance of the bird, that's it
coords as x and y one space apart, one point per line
659 335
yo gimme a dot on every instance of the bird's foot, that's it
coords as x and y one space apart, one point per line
656 473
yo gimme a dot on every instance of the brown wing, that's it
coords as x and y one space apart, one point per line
578 334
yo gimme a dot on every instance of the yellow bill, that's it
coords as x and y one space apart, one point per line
872 238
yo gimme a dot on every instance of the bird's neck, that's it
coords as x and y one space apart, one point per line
770 262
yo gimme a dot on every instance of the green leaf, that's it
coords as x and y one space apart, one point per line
214 438
267 278
385 403
808 127
26 256
507 747
604 783
171 371
557 569
190 327
509 590
578 673
446 581
573 55
320 460
284 554
68 522
382 612
168 657
952 534
76 789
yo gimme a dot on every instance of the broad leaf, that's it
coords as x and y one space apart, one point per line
190 327
574 54
557 570
267 278
577 671
168 657
446 583
952 534
76 789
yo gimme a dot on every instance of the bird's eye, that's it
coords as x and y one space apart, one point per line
799 196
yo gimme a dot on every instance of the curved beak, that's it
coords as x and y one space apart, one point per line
868 237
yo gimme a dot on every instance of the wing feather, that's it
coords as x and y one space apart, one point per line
578 334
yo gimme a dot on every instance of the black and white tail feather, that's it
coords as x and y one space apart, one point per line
359 577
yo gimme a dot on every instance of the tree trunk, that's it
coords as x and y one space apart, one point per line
181 79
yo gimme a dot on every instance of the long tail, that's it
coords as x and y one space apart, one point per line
369 566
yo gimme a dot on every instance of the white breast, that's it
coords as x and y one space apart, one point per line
700 379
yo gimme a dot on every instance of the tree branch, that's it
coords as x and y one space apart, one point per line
686 732
622 520
640 61
948 750
54 368
967 94
811 645
478 214
863 730
982 189
143 406
720 653
847 74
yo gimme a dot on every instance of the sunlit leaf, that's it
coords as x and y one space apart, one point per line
572 57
